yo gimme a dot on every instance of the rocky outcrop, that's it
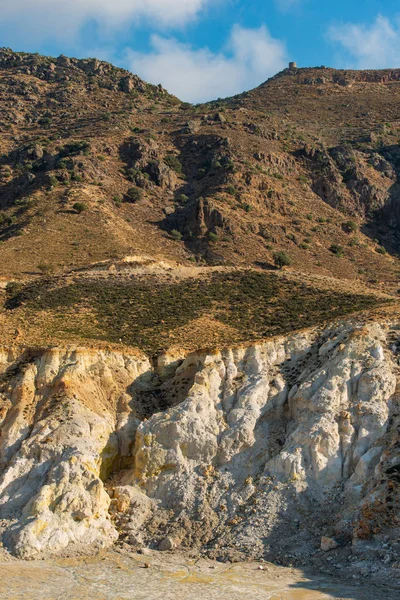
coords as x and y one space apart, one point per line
146 164
344 77
254 450
60 69
203 216
274 438
341 177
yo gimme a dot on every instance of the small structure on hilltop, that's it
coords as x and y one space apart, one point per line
292 65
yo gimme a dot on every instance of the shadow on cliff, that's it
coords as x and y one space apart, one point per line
383 224
384 227
154 391
196 217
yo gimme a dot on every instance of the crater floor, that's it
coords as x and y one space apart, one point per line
118 577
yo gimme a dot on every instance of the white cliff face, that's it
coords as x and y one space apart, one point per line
58 433
286 426
333 415
252 443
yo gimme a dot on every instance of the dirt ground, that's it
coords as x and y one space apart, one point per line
161 576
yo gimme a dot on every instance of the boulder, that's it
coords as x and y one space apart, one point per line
328 544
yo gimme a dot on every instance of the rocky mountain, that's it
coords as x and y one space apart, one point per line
304 163
199 315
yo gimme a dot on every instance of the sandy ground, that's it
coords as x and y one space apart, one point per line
171 577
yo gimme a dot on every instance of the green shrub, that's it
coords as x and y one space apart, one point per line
45 121
281 259
350 226
45 268
79 207
132 174
74 148
176 234
232 190
76 177
337 249
182 198
174 163
13 288
212 236
5 220
381 250
135 194
22 202
53 181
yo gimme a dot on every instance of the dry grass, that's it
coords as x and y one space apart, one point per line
238 307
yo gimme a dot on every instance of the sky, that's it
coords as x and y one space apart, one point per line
205 49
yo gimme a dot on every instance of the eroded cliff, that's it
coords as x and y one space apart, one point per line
247 451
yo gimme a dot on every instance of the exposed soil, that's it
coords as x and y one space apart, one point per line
114 576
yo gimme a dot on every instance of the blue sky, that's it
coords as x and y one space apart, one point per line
204 49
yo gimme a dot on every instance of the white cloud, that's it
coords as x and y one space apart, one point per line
54 19
196 75
374 46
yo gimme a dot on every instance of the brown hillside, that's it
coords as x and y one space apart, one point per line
97 165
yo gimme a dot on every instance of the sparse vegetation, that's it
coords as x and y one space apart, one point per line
176 234
337 249
79 207
174 163
134 194
231 190
146 315
350 226
263 193
281 259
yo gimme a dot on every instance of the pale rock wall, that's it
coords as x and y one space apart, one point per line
253 445
61 415
294 426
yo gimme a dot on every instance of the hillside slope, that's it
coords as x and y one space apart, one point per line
98 165
199 316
